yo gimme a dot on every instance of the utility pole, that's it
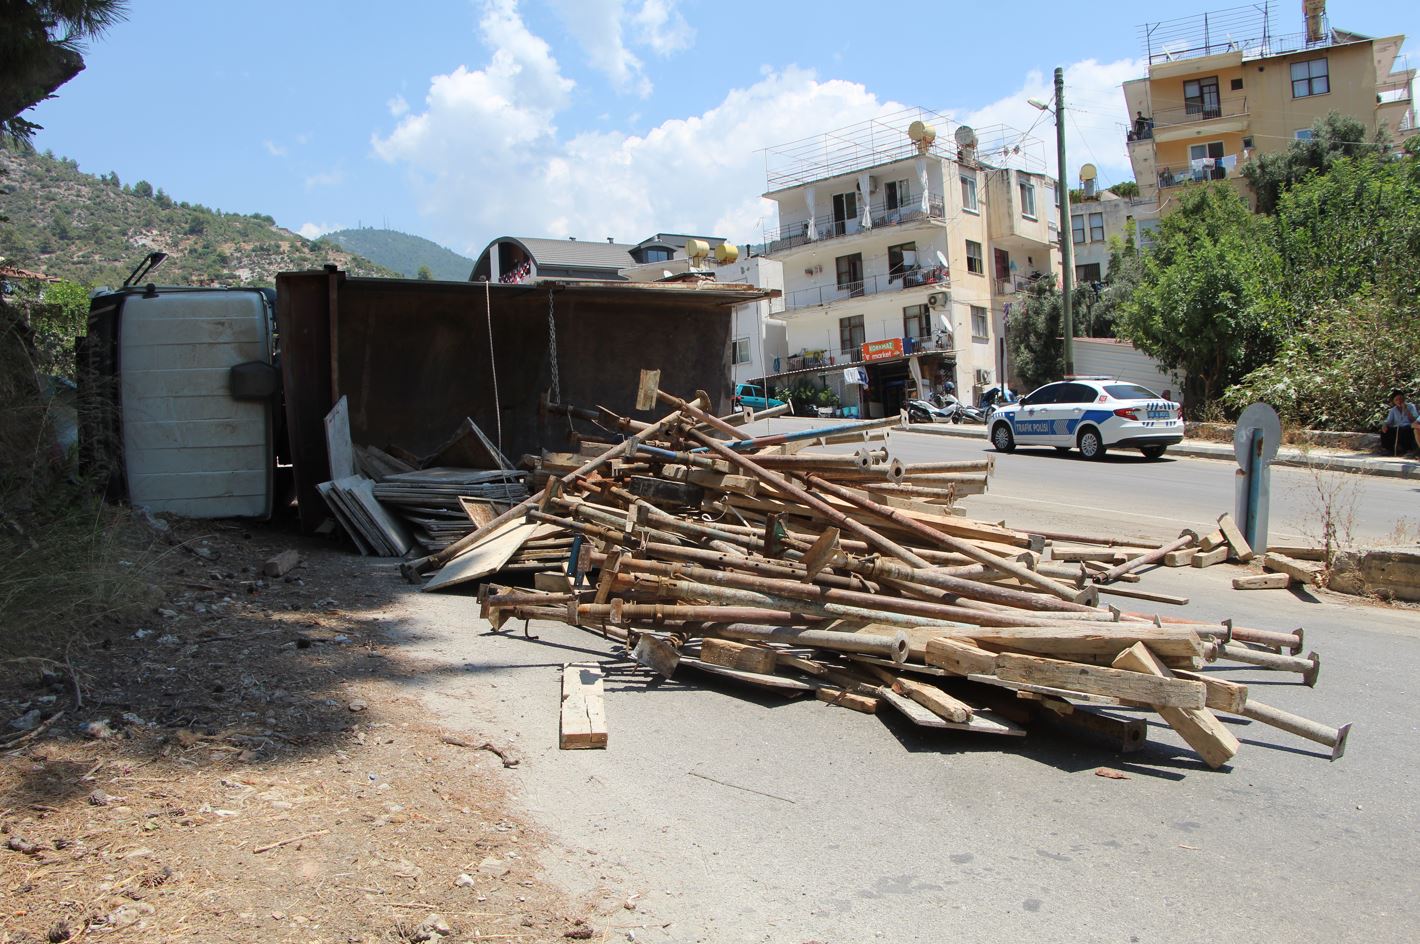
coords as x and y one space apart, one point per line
1067 274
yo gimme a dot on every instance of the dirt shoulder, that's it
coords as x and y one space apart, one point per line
247 763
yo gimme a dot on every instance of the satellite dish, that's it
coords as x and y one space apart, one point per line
1088 172
966 137
942 259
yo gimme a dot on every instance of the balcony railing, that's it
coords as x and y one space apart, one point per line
1014 283
1189 114
837 357
933 276
1220 168
798 232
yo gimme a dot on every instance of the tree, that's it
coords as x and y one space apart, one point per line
1332 138
425 273
1196 307
143 189
40 42
1125 188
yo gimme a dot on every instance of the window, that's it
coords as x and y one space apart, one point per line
1302 134
741 350
850 335
974 263
968 193
1212 151
1090 272
850 274
980 325
1074 393
899 194
1130 392
1096 227
1077 227
1046 394
1236 85
1201 98
656 255
901 258
1027 200
845 208
916 321
1310 78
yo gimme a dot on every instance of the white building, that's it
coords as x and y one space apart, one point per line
1100 216
903 242
757 345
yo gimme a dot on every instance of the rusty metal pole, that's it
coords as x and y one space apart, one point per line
1334 738
1186 539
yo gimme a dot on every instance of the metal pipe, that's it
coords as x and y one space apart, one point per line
1308 668
956 465
779 439
1186 539
957 544
1334 738
893 647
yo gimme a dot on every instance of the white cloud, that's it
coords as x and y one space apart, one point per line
333 177
274 149
317 230
397 106
597 26
485 158
659 25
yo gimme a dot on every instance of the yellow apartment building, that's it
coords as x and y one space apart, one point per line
1225 87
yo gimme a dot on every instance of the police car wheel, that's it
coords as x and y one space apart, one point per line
1091 446
1002 439
1152 452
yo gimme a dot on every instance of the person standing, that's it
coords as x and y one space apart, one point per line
1398 431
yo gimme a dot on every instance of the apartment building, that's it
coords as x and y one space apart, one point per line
904 241
1098 217
1227 86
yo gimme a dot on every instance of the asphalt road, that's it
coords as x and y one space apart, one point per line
737 816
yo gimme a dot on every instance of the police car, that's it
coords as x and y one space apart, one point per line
1095 414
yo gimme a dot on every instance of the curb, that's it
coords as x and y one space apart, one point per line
1219 451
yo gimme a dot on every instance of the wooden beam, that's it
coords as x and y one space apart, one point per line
1208 558
1263 582
961 656
1234 536
583 712
1295 569
738 655
1219 694
1099 680
1199 727
934 700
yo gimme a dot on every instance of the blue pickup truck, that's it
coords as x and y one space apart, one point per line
752 397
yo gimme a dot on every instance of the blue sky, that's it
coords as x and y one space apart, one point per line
460 120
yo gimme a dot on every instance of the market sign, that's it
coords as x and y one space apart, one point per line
880 350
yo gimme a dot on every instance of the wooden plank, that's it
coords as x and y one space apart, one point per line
583 724
1180 558
818 556
1125 734
934 700
485 557
1213 541
752 678
1210 557
1150 595
961 656
392 530
1234 536
646 388
1199 727
982 720
1076 554
738 655
1263 582
995 682
1220 694
1099 680
1295 569
327 492
1299 552
1173 639
337 441
845 699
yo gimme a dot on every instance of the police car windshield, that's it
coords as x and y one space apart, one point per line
1130 392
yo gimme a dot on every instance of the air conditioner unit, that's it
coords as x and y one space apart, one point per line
939 299
983 375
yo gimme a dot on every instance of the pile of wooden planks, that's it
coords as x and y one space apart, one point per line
854 579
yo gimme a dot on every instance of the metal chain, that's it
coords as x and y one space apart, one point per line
552 349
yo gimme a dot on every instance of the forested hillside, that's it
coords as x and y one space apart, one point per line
93 230
403 253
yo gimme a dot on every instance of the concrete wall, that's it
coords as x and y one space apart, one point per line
1107 357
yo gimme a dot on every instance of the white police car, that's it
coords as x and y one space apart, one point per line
1094 413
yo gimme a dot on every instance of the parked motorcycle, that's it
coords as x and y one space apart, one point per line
923 411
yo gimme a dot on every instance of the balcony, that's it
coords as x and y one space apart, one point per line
1015 283
799 233
921 277
1223 168
839 357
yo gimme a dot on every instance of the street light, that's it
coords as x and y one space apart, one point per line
1067 273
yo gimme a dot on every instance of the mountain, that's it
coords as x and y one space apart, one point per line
93 230
403 253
